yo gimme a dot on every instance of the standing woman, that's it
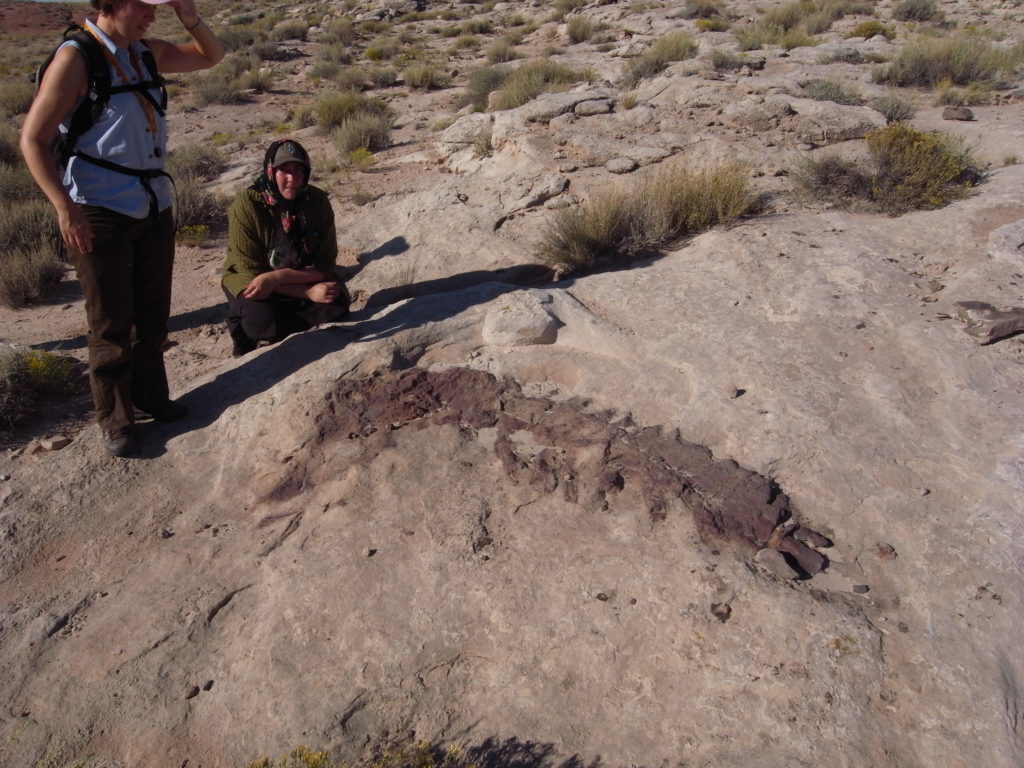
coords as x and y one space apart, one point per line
113 202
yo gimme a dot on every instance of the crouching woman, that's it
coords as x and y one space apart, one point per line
279 274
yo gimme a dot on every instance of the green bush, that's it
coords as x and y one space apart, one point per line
28 276
915 10
382 49
236 38
477 26
482 82
970 96
26 377
501 51
871 28
16 183
258 80
425 77
271 51
674 46
701 9
339 32
333 110
666 205
716 24
382 77
894 107
194 205
830 90
466 43
290 30
795 38
723 61
10 153
200 161
352 78
960 60
580 29
908 170
362 131
336 53
844 56
530 80
216 89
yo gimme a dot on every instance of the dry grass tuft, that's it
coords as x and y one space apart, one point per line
667 205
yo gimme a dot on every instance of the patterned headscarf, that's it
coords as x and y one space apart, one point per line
290 249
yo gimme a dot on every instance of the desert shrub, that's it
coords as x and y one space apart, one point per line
425 77
28 276
833 179
362 130
361 159
200 161
336 53
302 116
351 78
236 38
580 29
531 79
466 43
482 82
674 46
15 98
372 27
971 95
723 61
382 77
9 151
915 10
843 56
333 110
27 224
26 377
194 205
960 60
216 89
565 7
830 90
669 204
339 32
715 24
16 183
790 15
752 37
908 170
795 38
871 28
501 51
325 70
701 9
382 49
194 235
477 26
258 80
894 107
290 30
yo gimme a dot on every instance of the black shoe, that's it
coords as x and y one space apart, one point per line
166 411
242 346
117 442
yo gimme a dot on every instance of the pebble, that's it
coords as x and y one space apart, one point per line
721 611
369 551
773 561
860 589
620 165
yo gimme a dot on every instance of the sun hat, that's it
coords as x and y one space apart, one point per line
290 151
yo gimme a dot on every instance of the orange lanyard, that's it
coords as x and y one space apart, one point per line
143 101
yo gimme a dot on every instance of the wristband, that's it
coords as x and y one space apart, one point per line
199 20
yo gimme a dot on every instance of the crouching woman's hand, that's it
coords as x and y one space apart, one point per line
324 293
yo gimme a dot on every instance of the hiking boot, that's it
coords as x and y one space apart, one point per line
117 442
166 411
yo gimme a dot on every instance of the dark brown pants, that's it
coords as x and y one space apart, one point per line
127 285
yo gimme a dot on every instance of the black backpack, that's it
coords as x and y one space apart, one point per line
97 95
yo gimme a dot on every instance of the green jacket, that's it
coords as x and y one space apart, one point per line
251 232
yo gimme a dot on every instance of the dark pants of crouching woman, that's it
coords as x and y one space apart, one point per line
275 317
126 280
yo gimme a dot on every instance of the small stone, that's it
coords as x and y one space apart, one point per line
4 478
208 685
603 597
860 589
957 113
812 537
369 551
721 611
885 551
55 443
192 692
773 562
620 165
924 491
811 561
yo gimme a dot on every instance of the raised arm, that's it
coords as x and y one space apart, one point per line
203 52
